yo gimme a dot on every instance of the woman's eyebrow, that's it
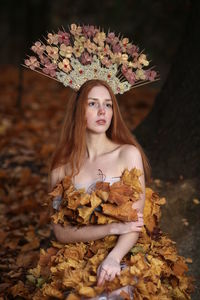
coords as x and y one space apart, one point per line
95 99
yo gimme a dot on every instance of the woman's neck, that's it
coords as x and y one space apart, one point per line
97 144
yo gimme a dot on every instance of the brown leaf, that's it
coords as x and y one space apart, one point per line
19 289
123 212
57 191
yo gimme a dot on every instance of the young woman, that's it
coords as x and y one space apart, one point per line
95 145
94 138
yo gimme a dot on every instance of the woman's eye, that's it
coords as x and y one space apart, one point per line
91 103
109 105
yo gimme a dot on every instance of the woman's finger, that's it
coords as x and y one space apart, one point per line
112 276
101 278
118 273
108 277
98 270
138 229
140 214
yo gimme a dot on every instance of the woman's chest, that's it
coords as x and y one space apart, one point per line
99 169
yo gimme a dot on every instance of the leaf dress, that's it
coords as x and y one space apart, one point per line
152 269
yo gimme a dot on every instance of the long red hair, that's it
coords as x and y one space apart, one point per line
71 147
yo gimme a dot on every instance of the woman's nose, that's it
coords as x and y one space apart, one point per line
101 110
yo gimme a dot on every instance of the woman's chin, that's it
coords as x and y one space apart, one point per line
97 130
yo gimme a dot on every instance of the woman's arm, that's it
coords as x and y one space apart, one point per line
125 241
72 234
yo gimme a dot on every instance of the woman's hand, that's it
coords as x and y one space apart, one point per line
126 227
107 270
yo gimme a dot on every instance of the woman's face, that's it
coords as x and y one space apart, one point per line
99 109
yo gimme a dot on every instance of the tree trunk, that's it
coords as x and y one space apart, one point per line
170 134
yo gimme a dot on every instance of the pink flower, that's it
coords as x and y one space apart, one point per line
86 58
32 62
89 31
117 48
112 39
105 61
43 59
49 69
64 38
129 74
150 75
38 48
132 50
52 39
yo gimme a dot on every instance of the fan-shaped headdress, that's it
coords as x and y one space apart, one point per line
86 52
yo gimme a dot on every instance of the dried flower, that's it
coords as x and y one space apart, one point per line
150 75
99 38
52 39
132 50
104 51
49 69
76 30
89 31
64 38
86 58
112 39
65 51
124 58
140 74
117 48
65 65
106 62
143 60
38 48
90 47
43 59
78 48
32 62
52 52
116 57
124 42
129 74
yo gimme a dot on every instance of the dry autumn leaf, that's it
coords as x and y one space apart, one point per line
123 212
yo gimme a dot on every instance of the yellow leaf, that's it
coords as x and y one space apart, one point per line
49 290
95 201
85 199
85 213
57 191
73 297
92 278
87 291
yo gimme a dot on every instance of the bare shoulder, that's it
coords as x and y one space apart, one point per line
58 174
129 150
130 157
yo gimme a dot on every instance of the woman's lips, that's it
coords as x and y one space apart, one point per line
101 122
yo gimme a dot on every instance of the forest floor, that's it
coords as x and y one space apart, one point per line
30 119
180 220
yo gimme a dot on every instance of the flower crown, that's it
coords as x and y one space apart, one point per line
85 53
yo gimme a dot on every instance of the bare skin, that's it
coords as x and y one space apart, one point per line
111 159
